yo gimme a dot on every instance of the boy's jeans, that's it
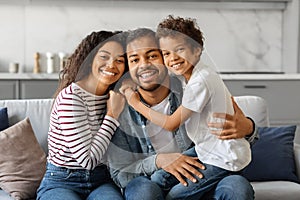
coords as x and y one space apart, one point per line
60 183
175 190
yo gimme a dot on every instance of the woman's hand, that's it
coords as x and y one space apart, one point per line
235 126
115 104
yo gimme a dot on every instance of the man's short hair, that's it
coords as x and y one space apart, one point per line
140 32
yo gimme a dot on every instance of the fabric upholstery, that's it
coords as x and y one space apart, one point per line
273 155
3 119
22 161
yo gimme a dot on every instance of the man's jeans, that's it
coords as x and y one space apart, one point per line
233 187
175 190
77 184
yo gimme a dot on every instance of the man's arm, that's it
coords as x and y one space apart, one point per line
126 160
235 126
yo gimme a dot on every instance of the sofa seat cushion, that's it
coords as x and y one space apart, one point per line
270 190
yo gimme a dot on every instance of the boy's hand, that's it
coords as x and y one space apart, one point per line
132 97
126 84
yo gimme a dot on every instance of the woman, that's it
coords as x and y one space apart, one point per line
83 120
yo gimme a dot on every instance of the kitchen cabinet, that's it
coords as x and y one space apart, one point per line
27 85
282 96
37 89
9 89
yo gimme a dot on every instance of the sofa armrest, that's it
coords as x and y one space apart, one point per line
255 107
297 158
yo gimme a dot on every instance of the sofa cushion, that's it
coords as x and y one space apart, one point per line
254 107
22 161
38 111
270 190
273 155
3 119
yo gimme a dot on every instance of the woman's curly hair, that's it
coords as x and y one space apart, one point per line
177 26
79 64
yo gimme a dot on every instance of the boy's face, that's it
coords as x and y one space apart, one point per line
179 56
145 63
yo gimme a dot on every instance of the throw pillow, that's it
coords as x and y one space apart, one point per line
3 119
22 161
273 155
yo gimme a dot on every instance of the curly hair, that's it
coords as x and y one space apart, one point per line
177 26
79 63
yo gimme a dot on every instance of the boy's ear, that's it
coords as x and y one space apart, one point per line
198 51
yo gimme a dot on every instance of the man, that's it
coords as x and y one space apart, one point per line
140 148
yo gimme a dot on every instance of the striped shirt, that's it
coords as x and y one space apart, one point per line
79 131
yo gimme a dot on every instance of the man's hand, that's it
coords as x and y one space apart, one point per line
180 166
235 126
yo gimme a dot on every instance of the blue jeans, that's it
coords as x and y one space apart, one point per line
60 183
142 188
175 190
233 187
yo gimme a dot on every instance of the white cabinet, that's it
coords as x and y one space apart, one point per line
282 96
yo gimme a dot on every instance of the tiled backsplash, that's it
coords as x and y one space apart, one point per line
236 38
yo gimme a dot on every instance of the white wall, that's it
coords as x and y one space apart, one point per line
239 36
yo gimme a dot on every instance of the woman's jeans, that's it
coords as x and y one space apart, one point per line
60 183
175 190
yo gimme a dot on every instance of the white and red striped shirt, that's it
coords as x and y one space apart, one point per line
79 130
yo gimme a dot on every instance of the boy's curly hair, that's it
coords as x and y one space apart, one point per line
176 26
79 64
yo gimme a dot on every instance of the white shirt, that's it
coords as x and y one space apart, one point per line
204 94
163 141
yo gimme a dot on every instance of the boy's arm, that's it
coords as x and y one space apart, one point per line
168 122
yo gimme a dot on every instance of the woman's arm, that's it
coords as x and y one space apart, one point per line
87 146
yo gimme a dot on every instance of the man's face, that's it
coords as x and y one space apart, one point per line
145 63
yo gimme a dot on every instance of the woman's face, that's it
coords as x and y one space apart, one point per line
109 63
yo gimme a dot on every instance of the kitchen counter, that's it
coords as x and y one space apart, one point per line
54 76
28 76
260 76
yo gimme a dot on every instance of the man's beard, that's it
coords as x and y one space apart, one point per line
152 88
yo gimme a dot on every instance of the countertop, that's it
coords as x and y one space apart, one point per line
54 76
260 76
28 76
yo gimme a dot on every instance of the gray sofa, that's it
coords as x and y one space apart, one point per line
255 107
